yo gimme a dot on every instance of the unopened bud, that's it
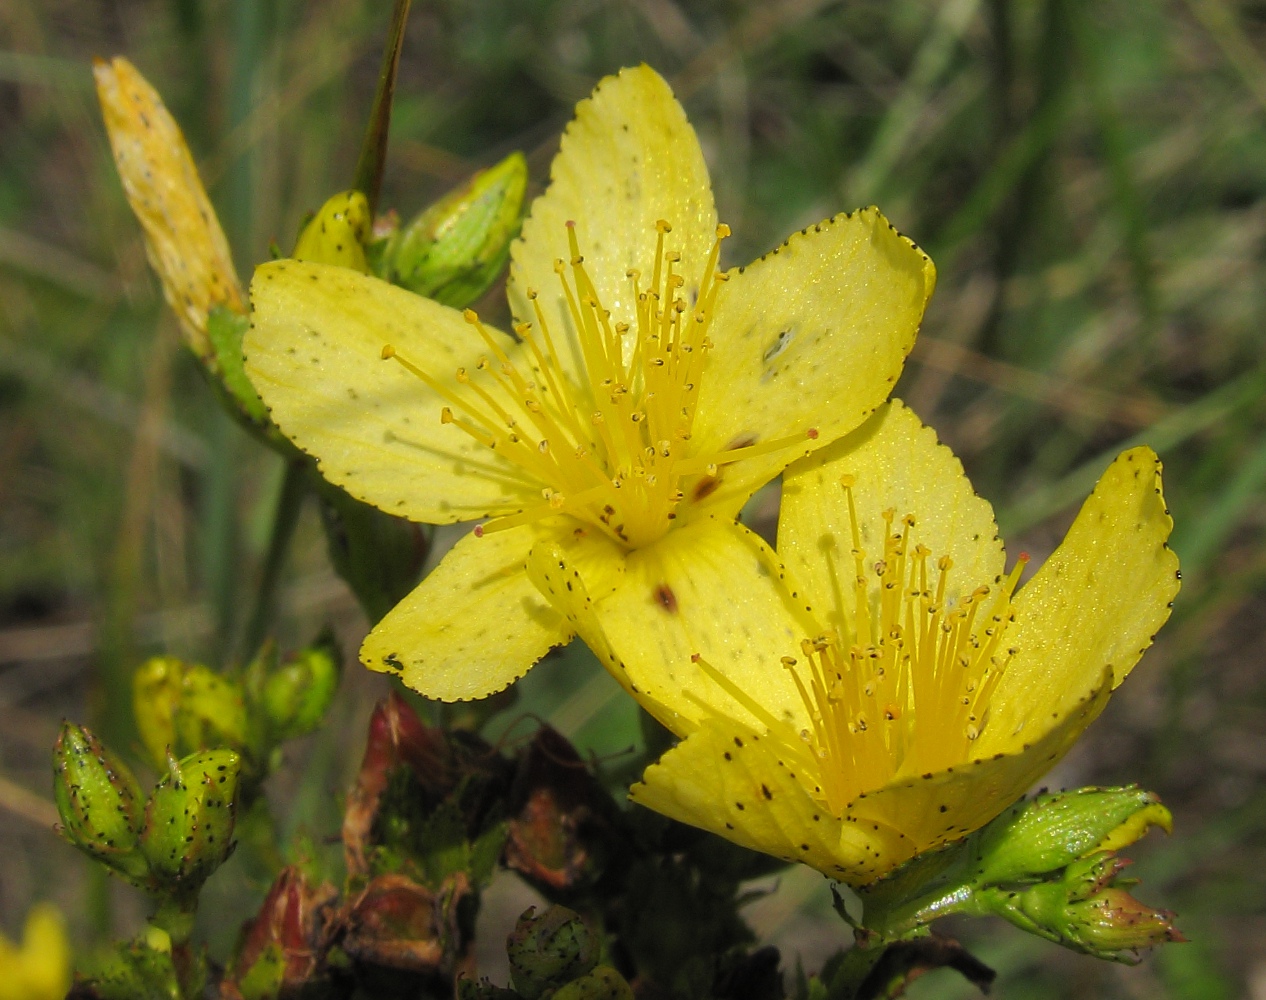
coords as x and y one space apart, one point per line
1085 911
297 694
1114 921
183 238
454 250
99 800
184 707
189 820
1053 830
550 950
156 693
337 234
603 983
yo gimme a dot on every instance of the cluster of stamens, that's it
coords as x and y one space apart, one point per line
614 449
908 690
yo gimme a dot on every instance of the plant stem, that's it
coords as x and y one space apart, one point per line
373 150
175 915
294 487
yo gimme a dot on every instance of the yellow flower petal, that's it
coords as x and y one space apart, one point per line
40 969
897 465
627 160
314 353
182 235
708 589
812 335
474 626
726 779
1097 601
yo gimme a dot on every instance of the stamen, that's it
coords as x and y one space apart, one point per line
908 691
607 427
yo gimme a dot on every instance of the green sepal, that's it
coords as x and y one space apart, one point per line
1047 865
225 330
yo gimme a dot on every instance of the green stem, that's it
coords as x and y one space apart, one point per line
847 981
294 487
176 915
373 150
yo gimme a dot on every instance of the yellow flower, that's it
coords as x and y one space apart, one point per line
884 689
183 238
40 968
645 391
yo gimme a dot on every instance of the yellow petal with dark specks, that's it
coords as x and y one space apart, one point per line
474 626
314 352
811 336
627 160
1095 604
896 463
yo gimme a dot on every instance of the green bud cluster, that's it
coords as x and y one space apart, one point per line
141 969
182 708
168 845
1047 865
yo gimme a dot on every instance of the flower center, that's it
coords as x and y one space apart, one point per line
608 438
908 691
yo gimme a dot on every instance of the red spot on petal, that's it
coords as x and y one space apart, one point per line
665 597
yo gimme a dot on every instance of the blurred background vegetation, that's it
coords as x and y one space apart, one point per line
1090 179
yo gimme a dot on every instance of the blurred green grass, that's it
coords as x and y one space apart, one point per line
1089 178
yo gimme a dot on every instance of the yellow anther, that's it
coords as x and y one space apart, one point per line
388 352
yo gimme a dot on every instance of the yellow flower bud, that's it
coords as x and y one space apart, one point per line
183 238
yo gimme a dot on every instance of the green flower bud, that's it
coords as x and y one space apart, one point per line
603 983
337 234
1064 842
296 696
1085 911
188 829
99 800
550 950
454 250
1035 838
